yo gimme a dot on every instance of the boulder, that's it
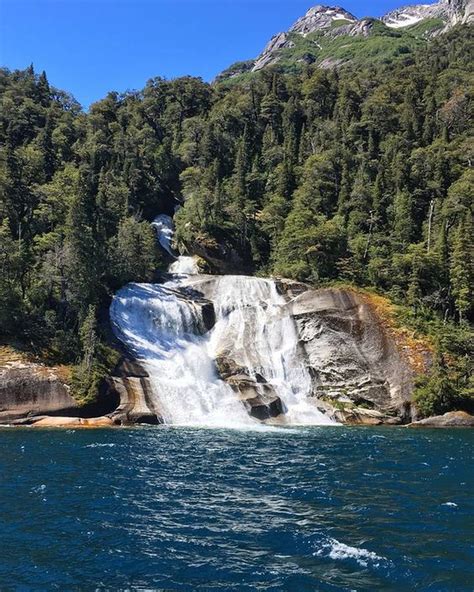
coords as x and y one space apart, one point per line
263 408
258 396
452 419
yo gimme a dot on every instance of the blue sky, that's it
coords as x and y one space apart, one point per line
89 47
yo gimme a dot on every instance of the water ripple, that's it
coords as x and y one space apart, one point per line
313 509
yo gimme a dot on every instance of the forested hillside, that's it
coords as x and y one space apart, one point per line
361 175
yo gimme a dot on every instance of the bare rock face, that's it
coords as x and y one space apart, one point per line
27 388
131 384
360 28
353 361
276 43
452 12
318 18
412 14
321 17
462 11
34 394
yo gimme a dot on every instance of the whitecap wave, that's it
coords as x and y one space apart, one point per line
336 550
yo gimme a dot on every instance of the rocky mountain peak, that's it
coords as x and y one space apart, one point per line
406 16
450 11
321 17
323 23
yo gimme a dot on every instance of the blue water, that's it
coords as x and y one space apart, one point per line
310 509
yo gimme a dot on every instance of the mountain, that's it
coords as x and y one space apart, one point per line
330 36
452 12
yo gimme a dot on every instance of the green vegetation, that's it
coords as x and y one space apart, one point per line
381 44
450 382
361 175
425 27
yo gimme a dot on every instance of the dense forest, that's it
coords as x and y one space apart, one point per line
361 175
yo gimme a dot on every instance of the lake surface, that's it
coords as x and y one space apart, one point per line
310 509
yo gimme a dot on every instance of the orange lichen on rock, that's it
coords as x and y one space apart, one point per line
76 422
418 351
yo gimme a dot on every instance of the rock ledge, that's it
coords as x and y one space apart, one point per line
452 419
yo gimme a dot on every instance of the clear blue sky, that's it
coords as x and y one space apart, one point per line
89 47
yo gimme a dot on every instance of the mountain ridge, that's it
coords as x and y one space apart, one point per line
310 37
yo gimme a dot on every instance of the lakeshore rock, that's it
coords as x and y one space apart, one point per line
452 419
74 422
131 384
28 388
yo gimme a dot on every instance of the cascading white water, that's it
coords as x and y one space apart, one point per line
166 334
163 226
253 328
164 328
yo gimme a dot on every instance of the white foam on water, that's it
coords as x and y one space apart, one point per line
338 551
184 266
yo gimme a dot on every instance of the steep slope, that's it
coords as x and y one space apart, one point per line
451 12
407 16
329 36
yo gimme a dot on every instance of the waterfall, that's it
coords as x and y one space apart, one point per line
163 226
254 330
164 326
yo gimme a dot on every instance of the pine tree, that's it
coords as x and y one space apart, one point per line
84 263
462 266
88 337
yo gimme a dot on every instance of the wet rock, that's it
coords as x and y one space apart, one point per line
362 416
230 371
263 408
204 307
258 396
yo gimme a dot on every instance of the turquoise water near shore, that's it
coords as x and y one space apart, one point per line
302 509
